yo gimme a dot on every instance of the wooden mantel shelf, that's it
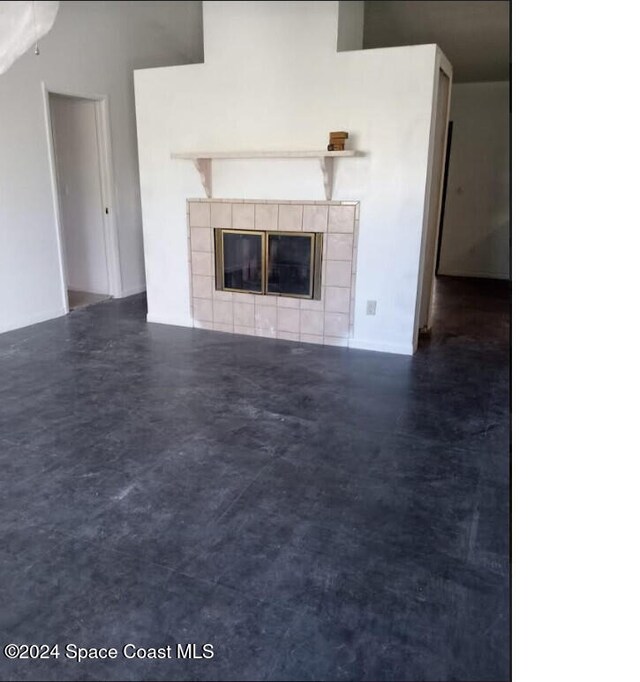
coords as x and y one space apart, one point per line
203 160
263 154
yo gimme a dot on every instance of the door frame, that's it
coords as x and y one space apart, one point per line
435 173
445 182
109 212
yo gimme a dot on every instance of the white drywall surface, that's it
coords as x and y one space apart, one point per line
475 235
91 50
75 135
273 80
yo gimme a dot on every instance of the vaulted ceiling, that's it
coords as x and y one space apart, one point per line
473 34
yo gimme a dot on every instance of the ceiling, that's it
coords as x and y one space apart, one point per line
473 34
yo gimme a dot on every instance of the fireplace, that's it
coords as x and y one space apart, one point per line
268 263
277 269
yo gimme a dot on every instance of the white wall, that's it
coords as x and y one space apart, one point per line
475 236
272 79
92 49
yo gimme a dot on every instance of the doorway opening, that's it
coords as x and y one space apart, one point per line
81 172
473 266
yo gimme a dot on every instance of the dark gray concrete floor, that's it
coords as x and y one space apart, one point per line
314 513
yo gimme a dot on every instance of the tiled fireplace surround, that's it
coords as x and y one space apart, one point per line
327 321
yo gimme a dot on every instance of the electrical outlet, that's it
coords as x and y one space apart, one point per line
371 307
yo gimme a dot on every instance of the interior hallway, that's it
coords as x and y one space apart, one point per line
472 308
313 512
81 299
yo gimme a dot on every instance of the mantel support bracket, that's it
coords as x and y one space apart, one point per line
203 166
326 165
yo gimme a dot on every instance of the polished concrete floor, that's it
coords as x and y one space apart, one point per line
311 512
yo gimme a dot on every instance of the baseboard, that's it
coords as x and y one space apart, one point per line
396 348
33 319
132 291
173 321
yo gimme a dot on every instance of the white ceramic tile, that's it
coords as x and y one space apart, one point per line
311 304
286 302
266 317
337 299
311 338
223 312
201 239
339 246
199 215
267 300
336 324
243 216
221 327
341 218
289 336
288 320
243 314
338 273
220 214
266 333
202 310
203 325
241 297
222 295
247 331
335 341
201 263
202 287
266 217
290 217
314 218
312 322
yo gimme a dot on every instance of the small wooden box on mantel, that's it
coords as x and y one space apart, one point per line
337 141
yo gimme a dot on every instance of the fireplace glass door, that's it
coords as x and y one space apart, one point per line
243 261
290 264
271 263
